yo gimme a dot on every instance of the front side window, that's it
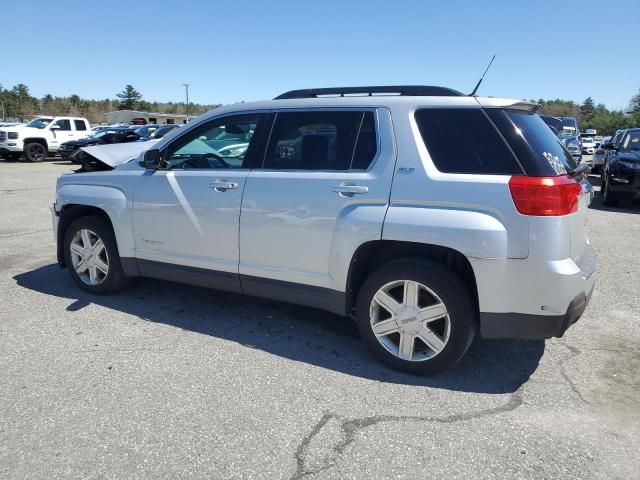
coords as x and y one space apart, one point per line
321 140
221 143
80 125
463 140
39 123
63 125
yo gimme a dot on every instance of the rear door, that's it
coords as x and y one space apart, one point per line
321 190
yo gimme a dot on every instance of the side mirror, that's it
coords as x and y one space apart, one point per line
55 127
152 159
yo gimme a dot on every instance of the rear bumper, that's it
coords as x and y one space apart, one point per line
532 327
533 299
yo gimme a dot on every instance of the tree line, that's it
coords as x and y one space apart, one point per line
592 115
18 102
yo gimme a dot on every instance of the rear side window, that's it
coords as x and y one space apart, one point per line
538 149
80 125
321 140
465 141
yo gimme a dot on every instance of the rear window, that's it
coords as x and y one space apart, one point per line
80 125
465 141
538 149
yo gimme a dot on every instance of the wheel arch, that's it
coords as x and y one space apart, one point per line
75 201
371 255
70 213
41 141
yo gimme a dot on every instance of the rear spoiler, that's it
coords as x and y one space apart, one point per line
489 102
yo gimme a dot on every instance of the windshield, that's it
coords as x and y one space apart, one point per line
39 123
632 142
102 133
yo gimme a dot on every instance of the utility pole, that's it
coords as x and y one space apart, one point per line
186 88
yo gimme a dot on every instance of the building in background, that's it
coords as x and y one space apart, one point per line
137 117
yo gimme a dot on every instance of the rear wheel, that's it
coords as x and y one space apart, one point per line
91 255
416 316
35 152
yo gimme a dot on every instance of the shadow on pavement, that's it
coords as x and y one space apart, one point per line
297 333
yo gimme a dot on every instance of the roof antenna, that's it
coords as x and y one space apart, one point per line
472 94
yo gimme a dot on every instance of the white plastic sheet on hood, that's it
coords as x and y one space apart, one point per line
118 153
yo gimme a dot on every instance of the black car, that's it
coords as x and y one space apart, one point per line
621 171
69 150
162 130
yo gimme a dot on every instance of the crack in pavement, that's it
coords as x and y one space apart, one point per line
563 371
9 235
349 429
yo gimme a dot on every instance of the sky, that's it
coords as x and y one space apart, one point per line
231 51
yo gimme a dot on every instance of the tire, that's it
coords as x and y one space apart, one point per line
94 278
35 152
608 197
438 286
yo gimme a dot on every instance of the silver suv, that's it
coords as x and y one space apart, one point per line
424 214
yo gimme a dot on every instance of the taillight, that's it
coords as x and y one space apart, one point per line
545 196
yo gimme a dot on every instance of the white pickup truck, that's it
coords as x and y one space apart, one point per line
41 136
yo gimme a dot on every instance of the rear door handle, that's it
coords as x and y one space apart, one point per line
221 185
350 189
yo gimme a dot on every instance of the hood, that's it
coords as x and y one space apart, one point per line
118 153
21 128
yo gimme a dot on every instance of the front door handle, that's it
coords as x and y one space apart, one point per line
350 189
222 185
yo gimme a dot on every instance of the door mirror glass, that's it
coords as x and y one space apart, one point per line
152 159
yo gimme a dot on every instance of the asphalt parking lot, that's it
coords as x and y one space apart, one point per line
171 381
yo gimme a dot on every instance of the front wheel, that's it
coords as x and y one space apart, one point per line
608 197
91 255
35 152
416 316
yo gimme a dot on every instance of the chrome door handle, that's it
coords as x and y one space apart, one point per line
350 189
222 185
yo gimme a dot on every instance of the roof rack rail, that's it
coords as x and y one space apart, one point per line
405 90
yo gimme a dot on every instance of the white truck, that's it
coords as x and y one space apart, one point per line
41 136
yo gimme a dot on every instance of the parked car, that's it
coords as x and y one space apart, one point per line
41 136
68 150
599 155
145 130
588 144
426 216
573 145
621 172
161 131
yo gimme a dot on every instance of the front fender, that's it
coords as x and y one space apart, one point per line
474 234
108 199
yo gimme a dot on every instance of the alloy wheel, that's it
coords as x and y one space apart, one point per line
409 320
89 257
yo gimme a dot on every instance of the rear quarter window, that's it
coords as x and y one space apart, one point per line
540 152
464 141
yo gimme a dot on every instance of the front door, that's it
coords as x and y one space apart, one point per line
323 190
186 214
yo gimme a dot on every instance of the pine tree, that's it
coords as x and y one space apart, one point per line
129 98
